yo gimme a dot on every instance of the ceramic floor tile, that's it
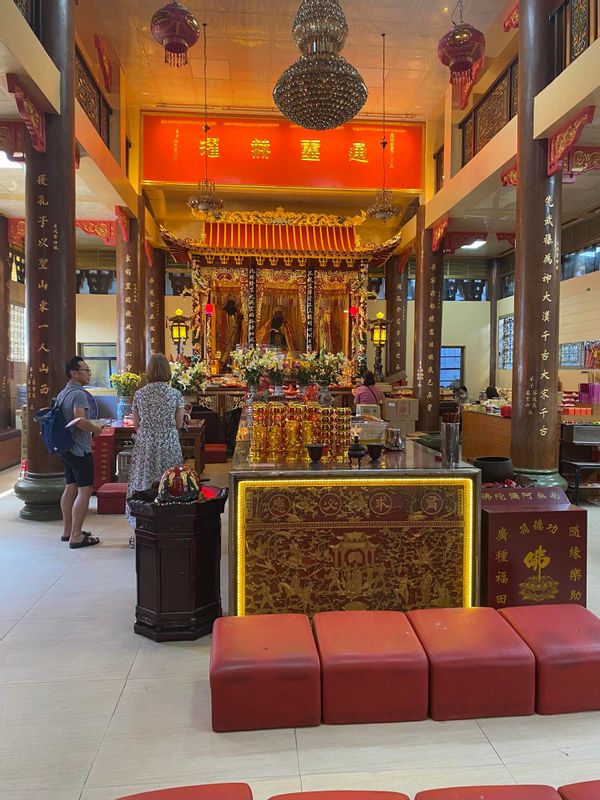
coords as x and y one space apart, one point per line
55 731
261 790
41 794
557 771
172 659
161 729
359 748
6 625
409 780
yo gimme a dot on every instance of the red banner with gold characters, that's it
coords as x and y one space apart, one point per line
275 152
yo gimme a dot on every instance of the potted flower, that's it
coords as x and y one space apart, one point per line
329 368
125 385
190 379
250 365
303 371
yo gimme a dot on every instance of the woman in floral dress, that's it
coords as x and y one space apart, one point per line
157 416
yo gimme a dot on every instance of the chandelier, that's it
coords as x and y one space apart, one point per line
176 29
207 198
383 207
321 90
462 49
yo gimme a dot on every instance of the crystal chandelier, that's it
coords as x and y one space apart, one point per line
321 90
383 207
207 198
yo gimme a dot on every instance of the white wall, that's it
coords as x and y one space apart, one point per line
96 320
579 321
465 324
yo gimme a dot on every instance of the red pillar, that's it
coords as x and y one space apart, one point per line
50 265
537 268
131 351
155 303
428 326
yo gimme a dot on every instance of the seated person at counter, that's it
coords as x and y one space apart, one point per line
368 393
491 392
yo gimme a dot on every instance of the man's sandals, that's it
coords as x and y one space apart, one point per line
87 541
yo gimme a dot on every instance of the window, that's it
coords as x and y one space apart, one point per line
571 355
451 366
17 334
102 360
506 327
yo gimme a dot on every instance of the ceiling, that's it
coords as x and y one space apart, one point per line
250 44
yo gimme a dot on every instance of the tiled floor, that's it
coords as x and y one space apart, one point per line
90 710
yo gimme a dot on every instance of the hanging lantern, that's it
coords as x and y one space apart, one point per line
462 49
179 328
176 29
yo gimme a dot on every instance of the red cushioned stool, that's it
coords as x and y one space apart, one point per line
111 498
215 453
565 640
588 790
264 673
490 793
341 795
478 666
373 667
213 791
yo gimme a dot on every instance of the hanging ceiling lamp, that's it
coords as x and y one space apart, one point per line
207 198
176 29
462 49
383 207
321 90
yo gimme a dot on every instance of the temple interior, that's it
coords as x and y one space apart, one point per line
299 340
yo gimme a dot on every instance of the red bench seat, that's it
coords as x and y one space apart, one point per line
215 453
351 794
478 665
588 790
111 498
212 791
565 640
373 667
264 673
490 793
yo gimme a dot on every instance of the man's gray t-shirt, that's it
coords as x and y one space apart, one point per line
74 396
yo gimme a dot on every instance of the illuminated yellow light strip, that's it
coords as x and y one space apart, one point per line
468 532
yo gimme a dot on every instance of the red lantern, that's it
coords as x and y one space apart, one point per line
209 309
462 49
353 311
176 29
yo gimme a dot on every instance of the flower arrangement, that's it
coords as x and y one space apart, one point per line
188 378
303 370
126 384
251 364
329 367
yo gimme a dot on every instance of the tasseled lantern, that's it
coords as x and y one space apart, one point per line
176 29
462 49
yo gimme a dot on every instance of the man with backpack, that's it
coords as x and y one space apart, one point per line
78 462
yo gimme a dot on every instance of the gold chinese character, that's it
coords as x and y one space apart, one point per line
575 595
549 222
543 431
545 355
128 299
501 599
128 312
574 552
43 263
501 577
43 307
42 180
544 394
549 202
42 221
501 556
260 148
44 388
43 368
552 527
548 258
574 532
358 152
545 335
310 149
43 242
128 257
524 528
43 348
545 316
545 376
546 298
538 559
547 277
502 535
210 147
42 285
575 574
41 201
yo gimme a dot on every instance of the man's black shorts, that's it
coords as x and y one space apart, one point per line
79 469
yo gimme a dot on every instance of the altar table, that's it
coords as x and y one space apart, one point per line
399 534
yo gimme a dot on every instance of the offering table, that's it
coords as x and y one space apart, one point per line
398 534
